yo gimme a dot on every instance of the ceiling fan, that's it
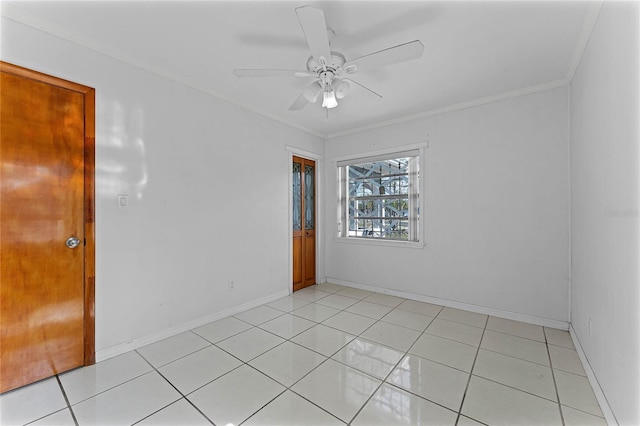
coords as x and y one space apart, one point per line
330 70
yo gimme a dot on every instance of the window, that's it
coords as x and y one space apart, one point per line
379 197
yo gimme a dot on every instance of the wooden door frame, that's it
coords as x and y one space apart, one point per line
89 195
291 152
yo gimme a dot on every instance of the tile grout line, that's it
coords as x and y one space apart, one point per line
242 363
421 397
467 417
180 357
316 405
267 403
340 311
553 375
248 365
517 335
384 380
376 320
484 328
514 388
451 340
466 389
515 357
115 386
289 388
64 394
176 389
289 340
368 398
460 323
528 392
330 357
406 353
31 422
285 339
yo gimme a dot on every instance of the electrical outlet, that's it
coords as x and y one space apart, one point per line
230 285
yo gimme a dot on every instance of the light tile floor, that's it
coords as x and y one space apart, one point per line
328 355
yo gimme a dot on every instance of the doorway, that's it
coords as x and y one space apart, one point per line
47 291
304 222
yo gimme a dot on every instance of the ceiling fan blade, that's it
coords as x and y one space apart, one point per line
364 87
270 73
315 31
392 55
299 103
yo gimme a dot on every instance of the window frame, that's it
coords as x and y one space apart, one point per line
415 197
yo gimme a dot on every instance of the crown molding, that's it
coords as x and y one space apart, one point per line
457 107
591 17
585 34
26 18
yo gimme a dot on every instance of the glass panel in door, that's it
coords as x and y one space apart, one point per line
297 197
309 198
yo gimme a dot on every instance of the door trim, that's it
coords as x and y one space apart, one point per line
89 195
291 152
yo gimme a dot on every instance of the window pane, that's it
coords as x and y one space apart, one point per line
381 197
309 198
396 185
297 200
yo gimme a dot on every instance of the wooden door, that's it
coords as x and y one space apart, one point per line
46 194
304 223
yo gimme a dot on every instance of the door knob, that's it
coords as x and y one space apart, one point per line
72 242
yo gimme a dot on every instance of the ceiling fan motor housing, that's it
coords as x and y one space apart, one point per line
335 65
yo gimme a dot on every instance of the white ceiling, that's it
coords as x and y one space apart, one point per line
473 50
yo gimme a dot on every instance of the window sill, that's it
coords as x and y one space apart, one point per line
381 243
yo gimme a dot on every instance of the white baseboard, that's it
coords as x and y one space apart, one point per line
597 390
139 342
531 319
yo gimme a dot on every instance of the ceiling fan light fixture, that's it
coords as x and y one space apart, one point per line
312 91
342 89
329 98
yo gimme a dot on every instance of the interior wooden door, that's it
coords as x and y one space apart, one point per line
304 222
47 244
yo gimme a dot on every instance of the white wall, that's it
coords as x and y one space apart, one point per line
604 207
496 217
207 184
